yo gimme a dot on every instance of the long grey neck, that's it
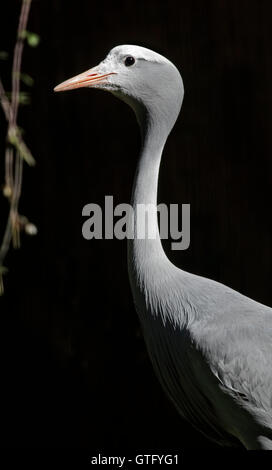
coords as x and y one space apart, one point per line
143 254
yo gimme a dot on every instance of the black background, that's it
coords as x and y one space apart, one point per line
74 369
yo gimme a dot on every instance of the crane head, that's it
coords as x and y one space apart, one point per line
142 78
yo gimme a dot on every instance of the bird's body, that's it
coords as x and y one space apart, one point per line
211 354
209 345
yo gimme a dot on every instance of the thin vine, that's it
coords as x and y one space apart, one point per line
16 151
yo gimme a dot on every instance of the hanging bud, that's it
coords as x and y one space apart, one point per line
28 227
31 229
7 191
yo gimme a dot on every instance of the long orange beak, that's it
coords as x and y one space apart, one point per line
85 79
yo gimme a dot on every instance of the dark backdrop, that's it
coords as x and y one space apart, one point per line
74 369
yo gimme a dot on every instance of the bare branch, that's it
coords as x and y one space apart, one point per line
16 147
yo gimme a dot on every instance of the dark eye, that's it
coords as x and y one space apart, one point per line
129 61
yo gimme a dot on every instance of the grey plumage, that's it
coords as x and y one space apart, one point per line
209 345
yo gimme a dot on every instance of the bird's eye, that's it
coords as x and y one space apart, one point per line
129 61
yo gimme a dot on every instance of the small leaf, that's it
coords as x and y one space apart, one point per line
33 39
21 130
27 79
3 55
3 270
15 139
24 97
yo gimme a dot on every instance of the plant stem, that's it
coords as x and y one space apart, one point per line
14 172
